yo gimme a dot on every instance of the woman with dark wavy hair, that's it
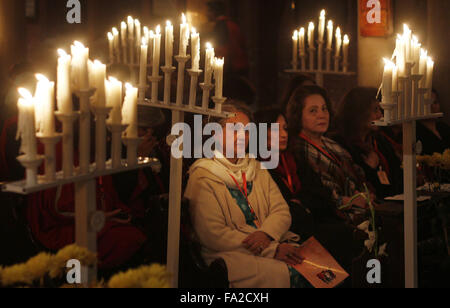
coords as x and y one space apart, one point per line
365 142
309 118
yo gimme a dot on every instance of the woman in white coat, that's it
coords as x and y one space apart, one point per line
239 215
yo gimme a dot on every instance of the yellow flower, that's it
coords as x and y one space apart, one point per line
16 274
153 276
39 265
83 255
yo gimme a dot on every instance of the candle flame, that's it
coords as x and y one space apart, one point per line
406 28
388 64
158 30
183 19
209 45
346 39
302 31
430 61
311 26
322 14
194 31
98 63
62 53
144 41
338 32
113 80
168 24
423 53
25 94
110 36
41 78
123 25
115 31
295 36
78 44
130 19
137 23
330 24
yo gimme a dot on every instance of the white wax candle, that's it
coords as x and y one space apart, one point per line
80 57
169 44
123 36
387 81
129 111
218 76
137 27
99 75
423 67
400 52
130 22
143 63
45 106
184 36
116 43
415 55
63 92
429 81
322 25
311 35
26 129
114 100
156 51
195 49
295 47
407 41
111 46
209 63
330 29
338 42
395 79
345 48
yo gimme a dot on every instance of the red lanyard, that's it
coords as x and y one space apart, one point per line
244 192
289 177
329 155
383 159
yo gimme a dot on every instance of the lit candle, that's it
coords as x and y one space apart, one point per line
184 36
321 25
143 63
209 63
150 41
169 44
80 57
63 92
218 76
338 42
129 111
98 82
407 41
111 47
137 26
330 29
395 79
114 100
311 35
423 67
400 52
387 81
415 54
116 44
123 36
26 129
195 49
345 48
156 51
429 81
302 42
295 49
130 22
45 106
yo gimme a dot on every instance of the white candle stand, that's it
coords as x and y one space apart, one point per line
416 110
49 143
219 101
101 114
337 60
85 129
67 121
31 166
168 71
116 143
155 87
206 94
193 88
328 59
132 145
142 89
312 51
182 60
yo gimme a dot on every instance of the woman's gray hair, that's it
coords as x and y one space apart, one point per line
233 106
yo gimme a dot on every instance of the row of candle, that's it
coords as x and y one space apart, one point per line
299 46
412 72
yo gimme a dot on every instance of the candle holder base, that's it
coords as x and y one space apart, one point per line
100 111
206 87
86 93
49 143
31 165
116 143
219 101
168 69
132 145
182 59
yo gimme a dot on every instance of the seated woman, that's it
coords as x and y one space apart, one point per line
309 118
239 214
369 148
